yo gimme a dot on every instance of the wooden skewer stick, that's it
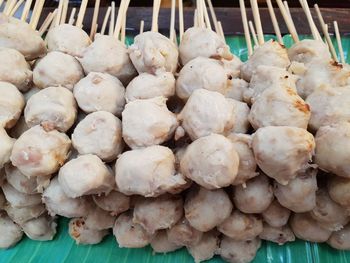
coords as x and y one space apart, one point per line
200 14
123 29
14 10
172 21
94 19
118 23
112 20
287 8
49 19
81 13
1 2
37 14
9 6
59 13
253 33
105 20
274 22
71 17
257 21
156 7
314 31
340 45
206 15
288 20
26 10
195 18
181 19
245 27
221 31
64 12
213 16
175 37
142 25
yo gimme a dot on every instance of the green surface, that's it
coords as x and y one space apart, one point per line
63 248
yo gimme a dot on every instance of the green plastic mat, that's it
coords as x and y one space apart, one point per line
63 249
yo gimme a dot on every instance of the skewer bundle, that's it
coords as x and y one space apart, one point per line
172 146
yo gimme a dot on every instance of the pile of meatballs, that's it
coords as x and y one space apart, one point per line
172 146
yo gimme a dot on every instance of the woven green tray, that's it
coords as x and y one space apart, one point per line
63 249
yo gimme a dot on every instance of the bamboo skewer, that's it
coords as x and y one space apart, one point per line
71 17
195 19
64 11
81 13
181 19
122 37
105 20
274 22
340 46
253 33
288 20
156 7
206 15
213 16
14 10
245 27
314 31
49 19
119 22
142 25
200 14
36 15
172 21
112 20
26 10
221 31
94 19
1 2
59 13
287 8
9 6
257 21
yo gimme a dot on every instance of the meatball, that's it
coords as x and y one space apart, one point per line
206 112
233 66
108 55
161 244
6 145
238 251
129 234
282 151
113 202
329 105
340 239
20 215
68 39
211 162
271 53
328 213
11 105
79 231
100 92
58 203
39 153
42 228
183 234
11 233
86 174
308 50
152 52
22 183
238 87
153 175
57 69
338 189
276 215
202 73
299 195
307 228
279 235
99 219
99 133
18 199
241 113
206 247
14 68
19 35
147 86
201 208
52 108
241 226
147 122
247 163
202 42
255 197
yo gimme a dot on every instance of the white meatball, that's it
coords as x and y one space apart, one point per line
151 51
238 251
282 151
211 162
108 55
206 247
202 73
158 213
279 235
113 202
147 122
57 69
328 213
247 163
255 197
58 203
86 174
307 50
20 127
42 228
128 234
22 183
15 69
202 42
206 112
241 226
233 66
11 105
338 189
52 108
147 86
68 39
276 215
20 215
299 195
100 92
99 133
6 146
99 219
38 152
271 53
161 244
19 35
78 230
11 233
183 234
241 113
237 89
307 228
153 175
18 199
340 239
201 208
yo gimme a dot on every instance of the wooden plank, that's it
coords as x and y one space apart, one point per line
229 17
